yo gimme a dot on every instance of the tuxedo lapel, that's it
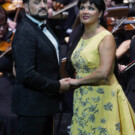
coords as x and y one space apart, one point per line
48 42
43 36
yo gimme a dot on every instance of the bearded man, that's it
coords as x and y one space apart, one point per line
37 62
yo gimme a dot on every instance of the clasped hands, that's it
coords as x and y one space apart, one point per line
67 84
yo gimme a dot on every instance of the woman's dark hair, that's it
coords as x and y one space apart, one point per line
74 38
101 7
3 15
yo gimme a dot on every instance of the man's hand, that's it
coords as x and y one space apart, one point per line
64 85
68 84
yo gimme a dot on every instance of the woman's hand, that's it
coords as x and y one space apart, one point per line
68 84
74 83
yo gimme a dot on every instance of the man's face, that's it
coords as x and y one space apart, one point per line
37 9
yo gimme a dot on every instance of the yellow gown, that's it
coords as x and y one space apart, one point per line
100 109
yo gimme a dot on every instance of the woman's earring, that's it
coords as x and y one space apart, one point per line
81 24
98 22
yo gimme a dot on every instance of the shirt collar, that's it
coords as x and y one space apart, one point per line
36 21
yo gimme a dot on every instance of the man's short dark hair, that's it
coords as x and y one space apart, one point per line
25 1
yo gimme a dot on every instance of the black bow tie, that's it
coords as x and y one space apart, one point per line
42 26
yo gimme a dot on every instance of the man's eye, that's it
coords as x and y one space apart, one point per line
36 2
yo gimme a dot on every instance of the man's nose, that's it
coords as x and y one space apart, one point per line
43 4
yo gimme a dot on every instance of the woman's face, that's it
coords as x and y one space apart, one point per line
3 28
89 13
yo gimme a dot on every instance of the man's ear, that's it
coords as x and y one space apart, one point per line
25 5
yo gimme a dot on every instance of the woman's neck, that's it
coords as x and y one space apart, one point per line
90 30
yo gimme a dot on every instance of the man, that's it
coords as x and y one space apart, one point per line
36 56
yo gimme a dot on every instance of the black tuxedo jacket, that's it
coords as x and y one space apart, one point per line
37 72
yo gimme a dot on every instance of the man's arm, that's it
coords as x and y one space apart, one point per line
24 54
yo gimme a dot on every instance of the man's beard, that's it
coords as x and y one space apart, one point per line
40 18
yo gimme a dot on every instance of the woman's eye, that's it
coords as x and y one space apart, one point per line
91 8
82 8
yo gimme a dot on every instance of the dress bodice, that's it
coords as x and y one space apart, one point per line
86 57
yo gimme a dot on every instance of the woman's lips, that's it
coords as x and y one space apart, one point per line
85 17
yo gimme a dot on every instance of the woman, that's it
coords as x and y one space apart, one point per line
6 80
100 106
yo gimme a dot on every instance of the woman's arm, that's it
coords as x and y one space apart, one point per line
107 49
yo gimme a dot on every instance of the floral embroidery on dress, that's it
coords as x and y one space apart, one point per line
108 106
118 127
103 120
